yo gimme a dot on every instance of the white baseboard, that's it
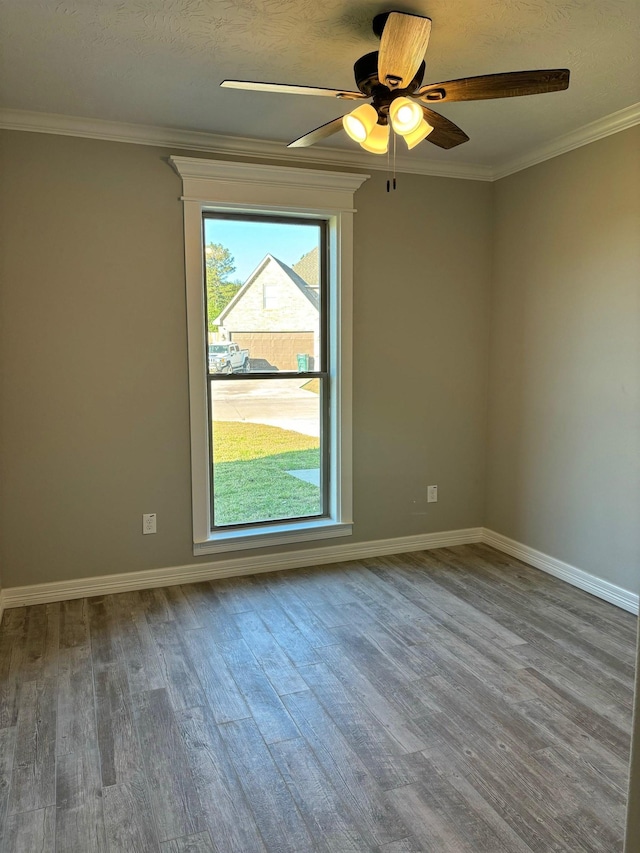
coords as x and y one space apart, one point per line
622 598
44 593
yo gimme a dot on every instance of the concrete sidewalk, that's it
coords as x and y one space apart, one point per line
282 403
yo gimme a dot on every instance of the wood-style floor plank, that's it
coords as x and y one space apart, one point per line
334 828
12 651
366 735
355 785
200 843
79 801
128 818
452 700
31 832
264 703
139 652
402 728
74 625
177 671
210 612
276 814
117 737
7 745
223 694
172 788
226 810
278 668
33 783
76 705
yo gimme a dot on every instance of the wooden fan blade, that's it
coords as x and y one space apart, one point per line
509 85
402 48
445 133
319 133
289 89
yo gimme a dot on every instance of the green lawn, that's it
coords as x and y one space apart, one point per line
250 473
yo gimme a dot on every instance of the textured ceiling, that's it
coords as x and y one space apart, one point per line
160 62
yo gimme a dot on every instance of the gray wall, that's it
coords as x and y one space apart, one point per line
94 367
564 403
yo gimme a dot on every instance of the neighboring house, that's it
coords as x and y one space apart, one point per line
308 268
274 315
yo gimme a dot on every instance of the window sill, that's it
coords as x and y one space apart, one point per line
278 534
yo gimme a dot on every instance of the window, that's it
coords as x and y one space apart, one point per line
268 271
268 383
270 296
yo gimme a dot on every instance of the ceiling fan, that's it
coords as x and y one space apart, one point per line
392 78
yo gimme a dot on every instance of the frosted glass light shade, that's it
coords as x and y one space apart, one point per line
360 122
421 132
405 116
378 140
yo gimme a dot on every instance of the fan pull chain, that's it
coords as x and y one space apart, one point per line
394 161
391 182
388 168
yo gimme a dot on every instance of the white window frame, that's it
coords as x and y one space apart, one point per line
225 186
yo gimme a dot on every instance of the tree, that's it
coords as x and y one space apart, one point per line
219 266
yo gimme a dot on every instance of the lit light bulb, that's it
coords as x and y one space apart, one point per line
359 123
378 140
405 116
421 132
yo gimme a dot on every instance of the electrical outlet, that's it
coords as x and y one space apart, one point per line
432 494
149 523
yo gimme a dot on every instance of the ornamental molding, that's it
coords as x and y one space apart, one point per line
232 146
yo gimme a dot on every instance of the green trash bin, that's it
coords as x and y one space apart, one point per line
303 362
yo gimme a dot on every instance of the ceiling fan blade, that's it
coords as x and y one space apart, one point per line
445 133
509 85
316 135
402 48
289 89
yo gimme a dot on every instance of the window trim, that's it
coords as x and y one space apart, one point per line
224 186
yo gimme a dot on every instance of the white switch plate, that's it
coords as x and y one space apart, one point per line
432 494
149 523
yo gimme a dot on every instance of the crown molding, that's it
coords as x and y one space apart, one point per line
236 146
607 126
233 146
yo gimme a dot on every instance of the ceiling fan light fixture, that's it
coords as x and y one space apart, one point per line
360 122
378 140
405 116
421 132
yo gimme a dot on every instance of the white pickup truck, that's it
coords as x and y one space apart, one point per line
228 358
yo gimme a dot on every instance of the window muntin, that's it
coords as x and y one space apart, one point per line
267 434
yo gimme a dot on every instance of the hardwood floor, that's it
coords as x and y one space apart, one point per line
454 701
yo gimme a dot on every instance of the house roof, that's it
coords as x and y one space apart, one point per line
296 279
308 267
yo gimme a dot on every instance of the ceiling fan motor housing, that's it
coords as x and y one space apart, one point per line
365 71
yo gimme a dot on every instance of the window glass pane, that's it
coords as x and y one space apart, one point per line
264 294
266 449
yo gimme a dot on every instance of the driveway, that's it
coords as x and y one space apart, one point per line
282 403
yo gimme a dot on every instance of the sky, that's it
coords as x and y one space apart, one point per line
249 242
